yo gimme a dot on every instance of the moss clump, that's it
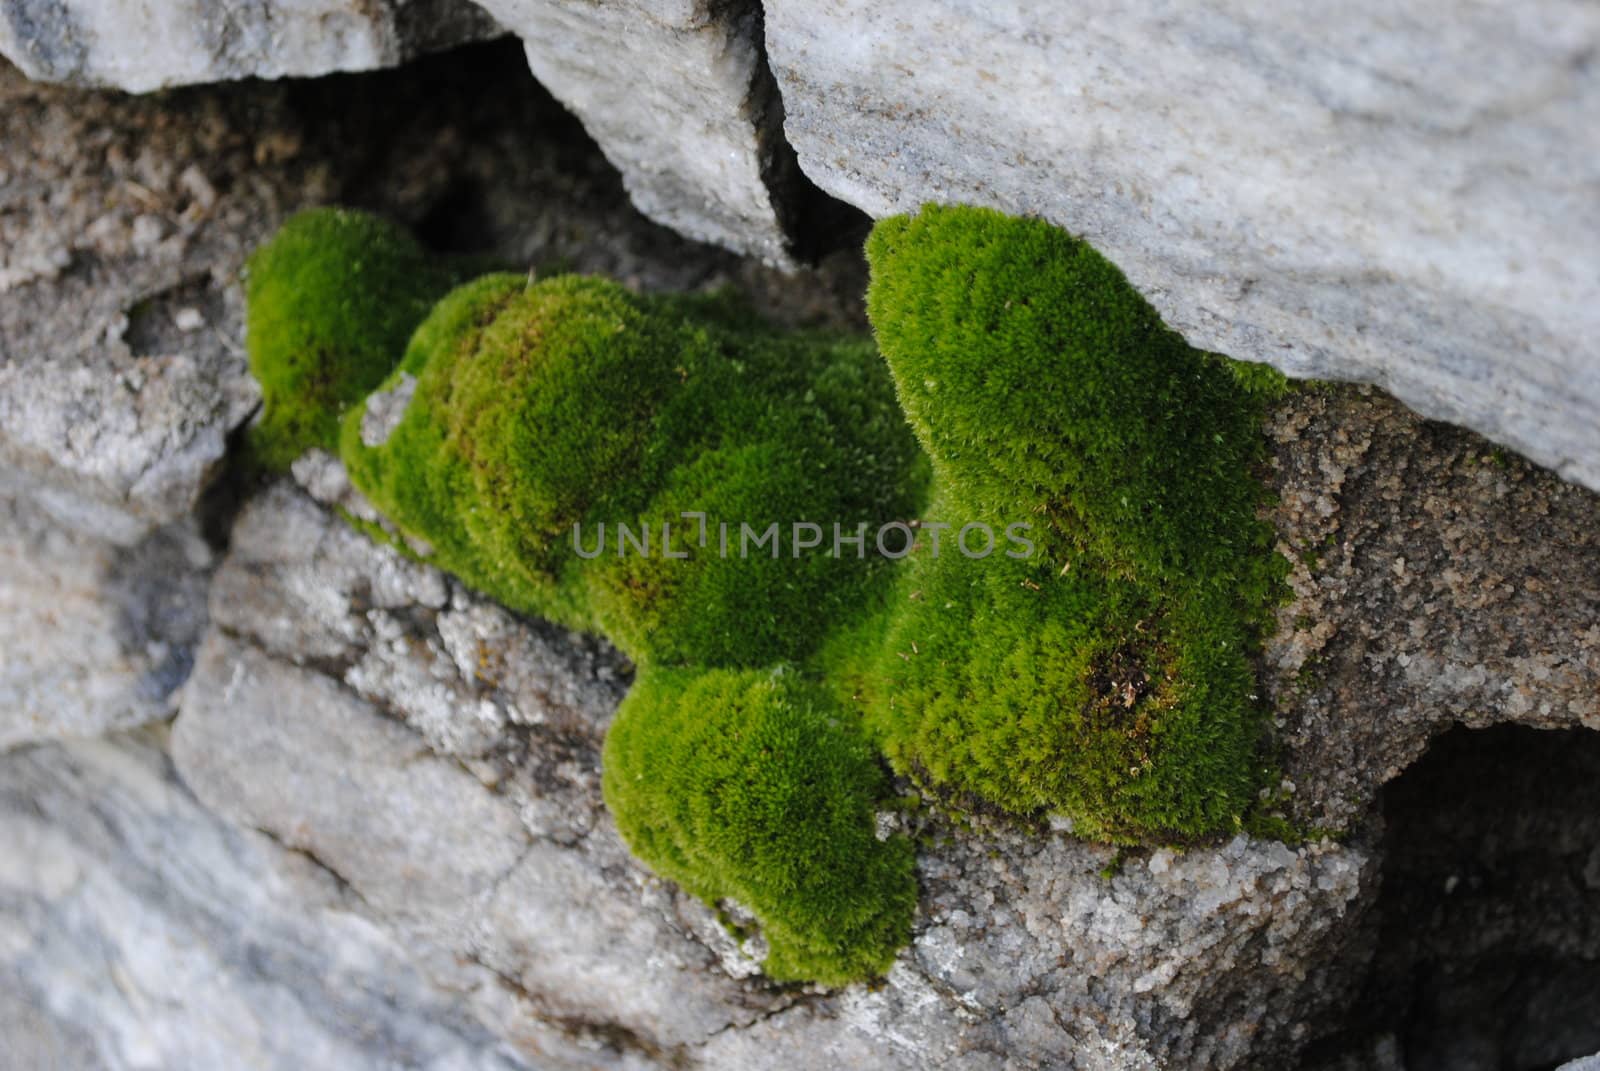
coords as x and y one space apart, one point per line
1106 679
541 408
756 785
571 404
332 298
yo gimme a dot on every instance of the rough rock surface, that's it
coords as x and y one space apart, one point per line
141 46
1399 197
123 225
139 929
95 635
1437 580
678 95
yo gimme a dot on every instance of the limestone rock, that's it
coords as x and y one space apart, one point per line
121 369
1404 198
443 758
678 96
140 46
94 636
138 929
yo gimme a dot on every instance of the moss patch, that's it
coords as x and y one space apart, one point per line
1107 679
332 299
757 785
555 428
571 410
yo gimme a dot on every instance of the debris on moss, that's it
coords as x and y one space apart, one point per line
553 429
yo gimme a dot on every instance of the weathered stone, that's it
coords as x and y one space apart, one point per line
1404 198
94 635
443 758
1027 955
1435 580
140 47
138 929
678 96
121 370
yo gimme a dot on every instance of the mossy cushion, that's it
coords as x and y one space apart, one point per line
1106 680
556 427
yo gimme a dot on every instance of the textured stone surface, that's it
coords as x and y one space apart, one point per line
1401 197
94 635
443 758
1436 580
143 46
677 94
121 233
138 929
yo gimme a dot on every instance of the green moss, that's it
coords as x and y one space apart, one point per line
332 298
539 407
569 403
1105 678
755 785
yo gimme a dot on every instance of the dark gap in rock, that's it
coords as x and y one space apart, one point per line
180 319
1489 915
817 224
826 226
458 222
469 150
231 483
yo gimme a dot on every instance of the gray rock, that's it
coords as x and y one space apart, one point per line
443 758
678 96
140 47
94 635
121 369
138 929
1403 198
1027 956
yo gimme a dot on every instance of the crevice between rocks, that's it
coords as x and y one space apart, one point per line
1488 952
